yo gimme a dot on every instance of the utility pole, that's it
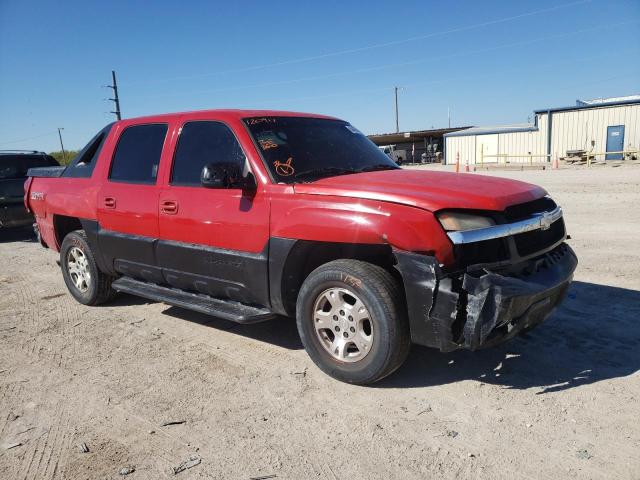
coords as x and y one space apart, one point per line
115 99
397 123
64 155
449 116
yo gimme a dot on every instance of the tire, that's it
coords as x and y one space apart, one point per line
94 286
399 162
381 341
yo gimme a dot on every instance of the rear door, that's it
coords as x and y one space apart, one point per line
212 240
128 202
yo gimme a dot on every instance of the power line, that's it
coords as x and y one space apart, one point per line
28 138
444 80
396 65
373 46
410 86
55 132
338 94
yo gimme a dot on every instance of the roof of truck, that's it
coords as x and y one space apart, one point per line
225 113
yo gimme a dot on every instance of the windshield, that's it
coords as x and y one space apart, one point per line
16 166
303 149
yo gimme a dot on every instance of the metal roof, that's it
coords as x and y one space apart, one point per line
585 107
527 127
522 127
411 136
595 101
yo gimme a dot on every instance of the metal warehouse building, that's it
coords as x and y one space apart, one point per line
599 129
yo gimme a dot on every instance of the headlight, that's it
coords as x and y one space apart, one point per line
457 221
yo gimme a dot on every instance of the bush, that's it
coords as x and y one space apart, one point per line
69 155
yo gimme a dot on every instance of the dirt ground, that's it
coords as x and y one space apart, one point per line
562 403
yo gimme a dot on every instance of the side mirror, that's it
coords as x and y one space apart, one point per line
214 176
226 175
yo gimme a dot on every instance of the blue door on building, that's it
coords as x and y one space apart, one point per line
615 142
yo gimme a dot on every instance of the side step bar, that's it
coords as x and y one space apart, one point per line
225 309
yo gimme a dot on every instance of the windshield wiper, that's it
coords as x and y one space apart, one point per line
381 166
325 171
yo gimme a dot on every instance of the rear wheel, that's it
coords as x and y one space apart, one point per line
352 321
84 280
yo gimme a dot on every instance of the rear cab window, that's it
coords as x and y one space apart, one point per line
84 162
137 155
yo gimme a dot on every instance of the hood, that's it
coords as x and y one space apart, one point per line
427 189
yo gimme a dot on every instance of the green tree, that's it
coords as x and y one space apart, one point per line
68 156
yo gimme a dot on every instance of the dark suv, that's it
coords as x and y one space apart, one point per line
13 173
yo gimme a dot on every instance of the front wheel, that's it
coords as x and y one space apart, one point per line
352 321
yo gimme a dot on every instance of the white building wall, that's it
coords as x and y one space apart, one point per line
465 146
576 130
514 143
570 130
523 143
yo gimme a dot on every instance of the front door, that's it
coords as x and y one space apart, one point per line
128 203
212 240
615 142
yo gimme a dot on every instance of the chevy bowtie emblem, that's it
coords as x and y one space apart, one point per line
545 221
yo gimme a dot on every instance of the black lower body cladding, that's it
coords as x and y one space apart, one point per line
482 308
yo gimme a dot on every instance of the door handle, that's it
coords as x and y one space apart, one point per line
169 207
109 202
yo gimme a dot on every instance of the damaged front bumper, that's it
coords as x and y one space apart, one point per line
478 309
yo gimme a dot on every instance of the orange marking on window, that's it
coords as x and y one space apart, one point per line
284 169
267 144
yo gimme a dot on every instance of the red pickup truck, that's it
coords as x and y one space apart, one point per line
246 215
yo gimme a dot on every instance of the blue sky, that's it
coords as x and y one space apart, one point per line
490 62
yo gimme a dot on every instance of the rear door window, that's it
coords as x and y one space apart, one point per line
137 154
